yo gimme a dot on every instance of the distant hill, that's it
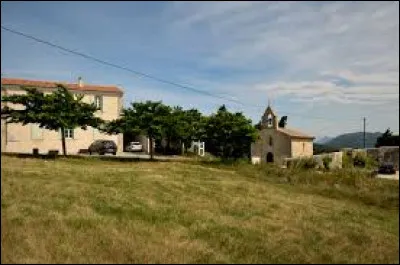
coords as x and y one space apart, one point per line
322 148
323 139
354 140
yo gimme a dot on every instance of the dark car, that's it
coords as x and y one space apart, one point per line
387 168
103 147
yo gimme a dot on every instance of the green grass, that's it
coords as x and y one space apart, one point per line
94 211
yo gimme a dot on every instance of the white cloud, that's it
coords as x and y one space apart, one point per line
303 36
309 47
374 78
306 91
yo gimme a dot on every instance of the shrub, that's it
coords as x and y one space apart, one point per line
360 160
347 161
371 162
306 163
309 163
327 160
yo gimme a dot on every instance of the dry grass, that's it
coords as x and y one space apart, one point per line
92 211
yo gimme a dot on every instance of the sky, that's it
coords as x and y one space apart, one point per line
325 65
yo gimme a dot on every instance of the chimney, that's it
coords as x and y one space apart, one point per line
80 82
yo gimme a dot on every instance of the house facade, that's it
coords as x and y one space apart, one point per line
275 143
22 139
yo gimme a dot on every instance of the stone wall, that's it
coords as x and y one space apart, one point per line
337 159
381 154
255 160
385 154
301 147
336 162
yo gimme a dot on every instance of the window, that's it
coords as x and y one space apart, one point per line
36 132
269 120
270 141
98 101
304 146
69 133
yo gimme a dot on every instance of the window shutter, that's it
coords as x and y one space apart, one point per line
101 103
98 101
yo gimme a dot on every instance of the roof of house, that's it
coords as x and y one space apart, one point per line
53 84
294 133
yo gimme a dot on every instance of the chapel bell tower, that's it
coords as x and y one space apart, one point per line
269 120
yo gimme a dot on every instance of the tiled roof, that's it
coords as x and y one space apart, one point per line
294 133
52 84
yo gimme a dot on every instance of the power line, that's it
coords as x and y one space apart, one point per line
89 57
119 67
129 70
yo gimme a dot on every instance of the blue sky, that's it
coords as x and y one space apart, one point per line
337 60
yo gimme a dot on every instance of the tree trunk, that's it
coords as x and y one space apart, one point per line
164 145
63 141
151 148
168 145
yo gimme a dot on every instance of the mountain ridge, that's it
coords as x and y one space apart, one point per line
353 140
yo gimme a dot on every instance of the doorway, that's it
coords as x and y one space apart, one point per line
270 157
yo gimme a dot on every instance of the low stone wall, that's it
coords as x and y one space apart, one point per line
381 154
336 159
255 160
385 154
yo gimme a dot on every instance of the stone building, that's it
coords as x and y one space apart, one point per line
18 138
275 143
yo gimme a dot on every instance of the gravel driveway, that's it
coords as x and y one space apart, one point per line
128 155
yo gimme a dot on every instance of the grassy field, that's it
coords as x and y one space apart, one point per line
89 211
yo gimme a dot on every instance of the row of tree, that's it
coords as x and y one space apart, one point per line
226 134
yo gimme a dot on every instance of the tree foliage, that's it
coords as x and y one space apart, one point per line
172 129
387 139
322 148
257 126
282 122
148 118
229 135
184 127
59 110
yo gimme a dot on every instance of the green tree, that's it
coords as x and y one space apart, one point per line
257 126
387 139
59 110
191 127
172 127
148 118
229 135
181 127
282 122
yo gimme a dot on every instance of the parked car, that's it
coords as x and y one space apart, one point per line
134 147
103 147
387 168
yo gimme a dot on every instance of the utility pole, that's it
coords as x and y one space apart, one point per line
364 133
